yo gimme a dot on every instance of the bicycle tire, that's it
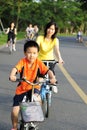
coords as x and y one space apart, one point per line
22 127
10 46
46 105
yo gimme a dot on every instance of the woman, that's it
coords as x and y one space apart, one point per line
12 32
49 43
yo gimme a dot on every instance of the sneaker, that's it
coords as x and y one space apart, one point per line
33 126
55 89
14 49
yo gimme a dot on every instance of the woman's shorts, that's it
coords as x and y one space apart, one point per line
18 98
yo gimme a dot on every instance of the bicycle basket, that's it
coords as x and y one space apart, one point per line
31 111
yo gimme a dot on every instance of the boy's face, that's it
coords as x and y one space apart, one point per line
31 54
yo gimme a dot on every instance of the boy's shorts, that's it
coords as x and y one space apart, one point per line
18 98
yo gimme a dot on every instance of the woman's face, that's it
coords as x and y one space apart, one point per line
51 30
12 25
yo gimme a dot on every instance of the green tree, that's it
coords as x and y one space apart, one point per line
68 14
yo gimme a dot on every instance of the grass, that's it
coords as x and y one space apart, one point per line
20 36
3 37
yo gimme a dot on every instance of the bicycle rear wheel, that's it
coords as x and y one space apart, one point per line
46 106
10 46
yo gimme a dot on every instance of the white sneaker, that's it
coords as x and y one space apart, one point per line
55 89
14 49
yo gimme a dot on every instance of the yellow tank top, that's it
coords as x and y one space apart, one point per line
46 48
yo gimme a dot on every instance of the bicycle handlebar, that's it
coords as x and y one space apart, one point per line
34 84
52 65
27 81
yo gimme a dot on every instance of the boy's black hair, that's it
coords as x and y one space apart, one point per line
30 43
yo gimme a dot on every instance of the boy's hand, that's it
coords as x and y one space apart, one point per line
12 78
40 79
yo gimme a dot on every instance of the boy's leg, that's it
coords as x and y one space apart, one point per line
14 116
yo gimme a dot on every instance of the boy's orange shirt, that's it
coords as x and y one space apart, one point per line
29 73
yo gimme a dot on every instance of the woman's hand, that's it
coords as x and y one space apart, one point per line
61 61
53 80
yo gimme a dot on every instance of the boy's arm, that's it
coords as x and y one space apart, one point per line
12 76
52 77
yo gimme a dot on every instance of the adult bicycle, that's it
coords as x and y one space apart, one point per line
47 89
11 45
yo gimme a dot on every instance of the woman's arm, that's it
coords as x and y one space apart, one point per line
15 31
52 77
57 52
7 31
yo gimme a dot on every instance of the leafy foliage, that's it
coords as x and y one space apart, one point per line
67 13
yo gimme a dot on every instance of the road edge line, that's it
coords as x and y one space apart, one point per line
73 83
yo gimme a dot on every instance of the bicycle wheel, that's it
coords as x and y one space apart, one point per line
24 126
10 46
21 126
46 106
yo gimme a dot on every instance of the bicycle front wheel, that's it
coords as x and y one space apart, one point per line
24 127
21 126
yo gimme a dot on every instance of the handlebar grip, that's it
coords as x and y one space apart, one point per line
49 83
19 80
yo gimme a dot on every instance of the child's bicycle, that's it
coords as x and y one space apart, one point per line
47 88
31 113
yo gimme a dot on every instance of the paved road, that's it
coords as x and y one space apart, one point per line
69 110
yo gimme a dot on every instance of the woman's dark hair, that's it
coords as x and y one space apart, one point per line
48 26
30 43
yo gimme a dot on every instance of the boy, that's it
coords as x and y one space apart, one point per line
27 67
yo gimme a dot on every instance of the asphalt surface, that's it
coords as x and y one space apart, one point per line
68 111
